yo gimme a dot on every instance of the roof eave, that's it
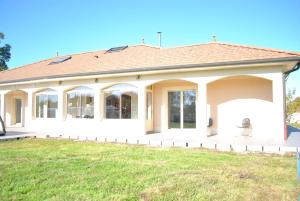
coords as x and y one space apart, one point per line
158 68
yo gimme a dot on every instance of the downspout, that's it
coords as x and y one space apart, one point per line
286 76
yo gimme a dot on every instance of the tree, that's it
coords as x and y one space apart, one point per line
292 104
289 101
4 54
296 104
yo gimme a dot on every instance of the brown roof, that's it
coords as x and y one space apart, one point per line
144 57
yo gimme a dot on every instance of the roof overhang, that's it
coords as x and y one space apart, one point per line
288 63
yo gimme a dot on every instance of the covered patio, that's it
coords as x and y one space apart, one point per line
15 108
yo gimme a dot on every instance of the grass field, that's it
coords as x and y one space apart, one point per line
35 169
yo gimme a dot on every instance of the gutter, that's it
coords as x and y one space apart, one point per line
156 68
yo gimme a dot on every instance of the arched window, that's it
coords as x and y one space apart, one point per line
80 103
46 104
121 102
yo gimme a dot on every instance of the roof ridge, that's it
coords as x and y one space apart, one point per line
259 48
183 46
143 44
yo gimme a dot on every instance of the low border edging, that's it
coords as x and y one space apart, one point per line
276 149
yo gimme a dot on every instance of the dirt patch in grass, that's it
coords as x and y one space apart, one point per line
246 175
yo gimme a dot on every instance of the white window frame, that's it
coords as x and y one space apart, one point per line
80 90
119 92
165 115
46 92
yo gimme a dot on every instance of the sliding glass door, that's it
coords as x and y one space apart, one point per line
174 109
182 109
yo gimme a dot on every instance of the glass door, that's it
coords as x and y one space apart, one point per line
174 100
182 109
18 111
189 109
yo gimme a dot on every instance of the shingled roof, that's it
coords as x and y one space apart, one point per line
143 57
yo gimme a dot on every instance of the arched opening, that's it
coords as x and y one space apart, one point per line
46 104
15 104
121 102
233 99
174 105
80 103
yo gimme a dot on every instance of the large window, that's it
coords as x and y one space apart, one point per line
46 104
80 103
121 102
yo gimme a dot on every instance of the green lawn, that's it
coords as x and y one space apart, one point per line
35 169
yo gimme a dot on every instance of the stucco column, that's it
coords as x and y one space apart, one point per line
2 106
201 107
60 105
97 104
278 111
142 109
101 105
29 109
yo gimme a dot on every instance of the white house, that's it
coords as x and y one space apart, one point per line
205 90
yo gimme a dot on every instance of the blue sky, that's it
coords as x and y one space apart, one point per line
38 29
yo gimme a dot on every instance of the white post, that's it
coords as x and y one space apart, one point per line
97 104
201 107
101 105
142 109
60 105
278 101
2 106
29 109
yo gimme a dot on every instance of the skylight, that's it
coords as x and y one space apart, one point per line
60 60
116 49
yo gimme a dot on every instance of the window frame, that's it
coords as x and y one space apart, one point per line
181 91
121 94
46 93
81 92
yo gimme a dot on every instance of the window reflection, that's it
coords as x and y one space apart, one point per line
121 102
174 109
52 106
189 109
80 103
112 106
182 109
46 104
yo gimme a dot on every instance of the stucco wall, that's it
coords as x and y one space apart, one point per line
230 100
267 107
